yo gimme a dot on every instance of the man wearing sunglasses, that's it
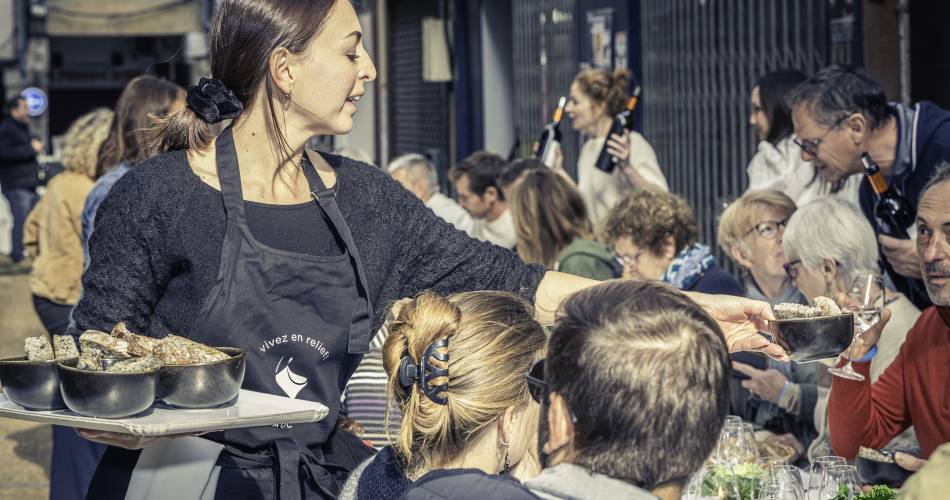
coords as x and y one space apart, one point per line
634 389
842 112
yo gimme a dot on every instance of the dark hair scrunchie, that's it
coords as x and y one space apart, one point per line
212 101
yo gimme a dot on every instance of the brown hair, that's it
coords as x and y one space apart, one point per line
603 86
492 340
548 214
740 216
84 139
144 99
483 169
648 216
646 372
243 35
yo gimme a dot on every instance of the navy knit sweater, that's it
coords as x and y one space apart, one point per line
155 252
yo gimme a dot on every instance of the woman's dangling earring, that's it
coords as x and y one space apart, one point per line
506 468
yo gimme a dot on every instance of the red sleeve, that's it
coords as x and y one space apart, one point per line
862 414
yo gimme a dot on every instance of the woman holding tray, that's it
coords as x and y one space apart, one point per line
245 239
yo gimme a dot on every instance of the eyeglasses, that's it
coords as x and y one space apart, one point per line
810 146
767 229
537 387
790 269
629 260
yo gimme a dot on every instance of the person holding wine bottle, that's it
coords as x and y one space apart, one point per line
824 259
913 390
777 163
596 97
841 113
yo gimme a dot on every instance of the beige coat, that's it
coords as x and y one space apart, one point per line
52 237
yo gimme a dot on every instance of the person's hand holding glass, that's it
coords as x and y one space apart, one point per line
865 300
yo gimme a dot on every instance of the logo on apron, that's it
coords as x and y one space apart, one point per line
291 383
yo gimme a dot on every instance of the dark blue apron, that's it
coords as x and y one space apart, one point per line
304 322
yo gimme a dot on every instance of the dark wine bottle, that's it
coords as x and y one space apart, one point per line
623 121
551 136
893 210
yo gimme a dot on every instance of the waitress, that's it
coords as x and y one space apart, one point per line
245 239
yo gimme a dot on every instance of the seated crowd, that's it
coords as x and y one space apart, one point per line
602 406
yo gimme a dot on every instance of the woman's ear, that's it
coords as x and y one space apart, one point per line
738 255
506 426
281 71
829 272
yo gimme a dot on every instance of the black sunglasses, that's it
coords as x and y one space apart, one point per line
537 387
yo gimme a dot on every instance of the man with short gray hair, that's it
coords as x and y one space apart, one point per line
840 113
914 389
418 175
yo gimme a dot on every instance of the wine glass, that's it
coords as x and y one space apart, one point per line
785 474
839 482
772 490
865 302
817 468
736 445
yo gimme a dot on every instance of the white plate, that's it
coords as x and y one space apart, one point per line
252 409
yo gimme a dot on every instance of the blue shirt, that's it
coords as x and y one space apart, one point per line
93 200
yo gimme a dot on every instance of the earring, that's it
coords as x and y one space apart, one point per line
288 95
506 468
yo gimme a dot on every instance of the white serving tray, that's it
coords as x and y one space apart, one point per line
252 409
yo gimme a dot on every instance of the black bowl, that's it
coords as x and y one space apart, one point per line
106 394
203 385
811 339
33 385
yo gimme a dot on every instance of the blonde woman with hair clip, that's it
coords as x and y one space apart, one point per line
456 370
596 96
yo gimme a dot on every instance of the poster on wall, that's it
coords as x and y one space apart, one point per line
600 28
620 50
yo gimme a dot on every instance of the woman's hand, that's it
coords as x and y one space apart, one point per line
766 384
741 320
619 147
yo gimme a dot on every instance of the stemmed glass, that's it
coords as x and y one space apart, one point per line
774 490
838 481
817 469
736 445
865 301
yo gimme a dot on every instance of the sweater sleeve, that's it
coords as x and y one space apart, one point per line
865 414
127 270
435 255
644 162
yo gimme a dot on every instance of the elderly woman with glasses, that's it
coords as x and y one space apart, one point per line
827 243
654 235
780 396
